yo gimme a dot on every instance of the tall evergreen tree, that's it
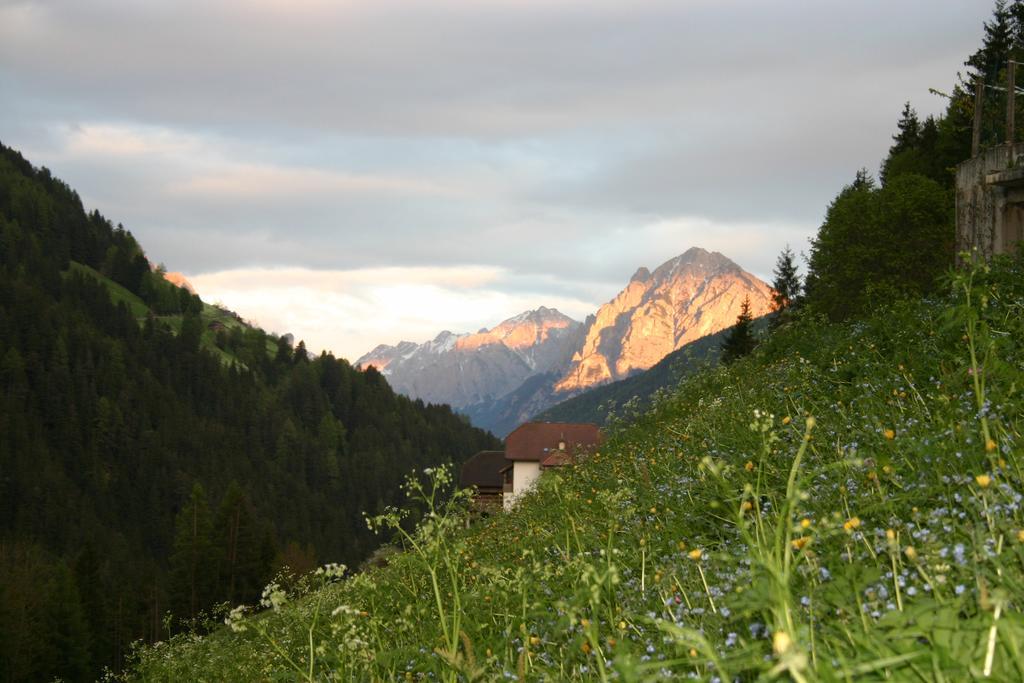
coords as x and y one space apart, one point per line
741 339
66 631
193 561
786 284
244 566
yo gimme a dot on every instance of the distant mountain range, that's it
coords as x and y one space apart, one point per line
526 364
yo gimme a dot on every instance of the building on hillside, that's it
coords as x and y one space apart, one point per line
483 471
990 201
536 446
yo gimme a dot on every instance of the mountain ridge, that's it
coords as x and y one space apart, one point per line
492 375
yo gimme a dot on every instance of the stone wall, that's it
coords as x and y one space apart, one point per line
990 200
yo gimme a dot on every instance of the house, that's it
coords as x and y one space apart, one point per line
535 446
483 471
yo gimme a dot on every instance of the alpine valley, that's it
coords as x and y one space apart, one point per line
502 376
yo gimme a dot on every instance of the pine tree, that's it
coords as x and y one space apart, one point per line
243 570
193 562
991 57
786 285
909 131
66 630
741 340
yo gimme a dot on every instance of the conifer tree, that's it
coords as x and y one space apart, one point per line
193 561
740 340
908 131
65 630
786 285
243 567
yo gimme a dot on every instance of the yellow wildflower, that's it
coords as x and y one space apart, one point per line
695 554
983 480
781 642
889 434
851 524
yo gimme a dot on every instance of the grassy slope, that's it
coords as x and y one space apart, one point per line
723 534
140 310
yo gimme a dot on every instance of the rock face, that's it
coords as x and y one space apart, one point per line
503 376
686 298
468 369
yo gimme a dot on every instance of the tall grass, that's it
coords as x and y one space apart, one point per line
844 504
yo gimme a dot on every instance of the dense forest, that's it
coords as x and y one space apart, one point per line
155 461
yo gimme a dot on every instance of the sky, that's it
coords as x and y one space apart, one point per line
358 172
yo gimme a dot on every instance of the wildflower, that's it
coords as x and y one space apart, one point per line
799 543
534 640
622 626
781 642
910 553
983 480
749 467
1020 535
890 535
786 420
695 554
990 445
851 524
889 434
805 523
586 648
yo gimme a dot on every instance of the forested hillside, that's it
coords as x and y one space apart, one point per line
158 458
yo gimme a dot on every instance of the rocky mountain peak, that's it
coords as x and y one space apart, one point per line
641 275
690 296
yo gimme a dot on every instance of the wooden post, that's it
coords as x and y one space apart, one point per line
979 94
1011 101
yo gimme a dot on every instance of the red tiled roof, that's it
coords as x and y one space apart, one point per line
483 469
535 441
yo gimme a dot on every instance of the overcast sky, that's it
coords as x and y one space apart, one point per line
365 171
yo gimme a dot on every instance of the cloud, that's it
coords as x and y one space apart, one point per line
562 143
350 312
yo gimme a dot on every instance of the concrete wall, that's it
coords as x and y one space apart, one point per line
988 216
524 475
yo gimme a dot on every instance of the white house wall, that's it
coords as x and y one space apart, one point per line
524 476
